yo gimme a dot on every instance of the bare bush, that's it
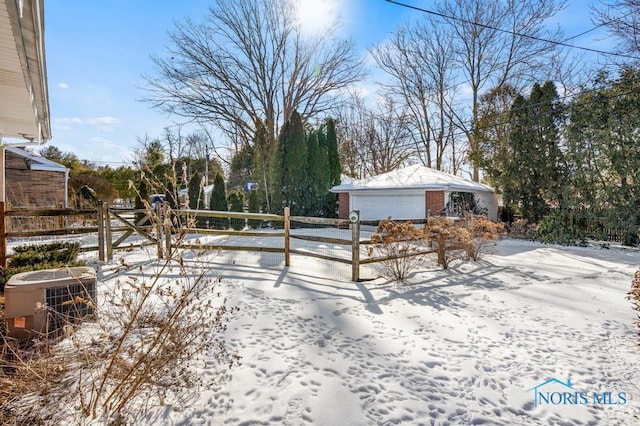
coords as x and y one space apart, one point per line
155 320
400 244
521 229
634 296
449 239
483 231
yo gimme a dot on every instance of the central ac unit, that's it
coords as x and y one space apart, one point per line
41 302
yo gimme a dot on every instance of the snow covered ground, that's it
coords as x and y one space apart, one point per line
462 346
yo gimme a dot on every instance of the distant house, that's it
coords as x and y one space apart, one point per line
183 197
33 181
410 193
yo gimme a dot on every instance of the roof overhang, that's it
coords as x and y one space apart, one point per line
412 178
24 100
413 189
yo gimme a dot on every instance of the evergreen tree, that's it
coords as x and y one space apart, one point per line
334 168
218 201
261 164
236 204
532 177
604 156
254 207
196 196
290 168
318 173
334 158
241 168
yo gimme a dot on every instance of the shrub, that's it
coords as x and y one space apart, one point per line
634 296
254 207
482 231
236 204
559 228
522 229
152 326
399 244
37 257
450 240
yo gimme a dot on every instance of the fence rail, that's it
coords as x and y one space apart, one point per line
113 228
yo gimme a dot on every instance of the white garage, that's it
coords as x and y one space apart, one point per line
410 193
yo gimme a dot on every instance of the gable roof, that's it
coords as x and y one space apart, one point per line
552 380
413 177
37 162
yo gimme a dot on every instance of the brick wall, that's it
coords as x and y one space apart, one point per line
434 201
32 188
343 205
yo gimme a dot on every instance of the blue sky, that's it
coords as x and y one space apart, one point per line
97 52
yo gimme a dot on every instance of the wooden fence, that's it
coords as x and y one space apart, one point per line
156 231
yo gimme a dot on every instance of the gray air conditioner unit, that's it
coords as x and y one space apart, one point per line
41 302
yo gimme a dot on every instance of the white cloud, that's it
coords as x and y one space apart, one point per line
102 120
101 141
63 85
67 120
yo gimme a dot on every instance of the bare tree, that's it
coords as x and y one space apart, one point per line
420 61
248 60
499 42
374 140
622 18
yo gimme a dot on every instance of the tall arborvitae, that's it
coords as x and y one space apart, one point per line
236 204
241 169
311 194
196 196
335 169
318 174
334 158
534 172
218 202
253 207
604 154
324 174
261 161
290 167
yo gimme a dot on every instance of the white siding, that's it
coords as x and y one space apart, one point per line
380 205
489 201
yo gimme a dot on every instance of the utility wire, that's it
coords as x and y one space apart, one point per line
456 133
559 43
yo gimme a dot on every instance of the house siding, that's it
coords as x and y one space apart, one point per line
434 202
32 188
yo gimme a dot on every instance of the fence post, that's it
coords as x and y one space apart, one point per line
3 236
287 232
107 229
355 248
100 212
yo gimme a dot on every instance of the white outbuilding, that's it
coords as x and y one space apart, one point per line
410 193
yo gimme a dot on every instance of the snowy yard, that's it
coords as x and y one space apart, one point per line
463 346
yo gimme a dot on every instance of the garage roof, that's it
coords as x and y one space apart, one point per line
414 177
24 101
37 162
